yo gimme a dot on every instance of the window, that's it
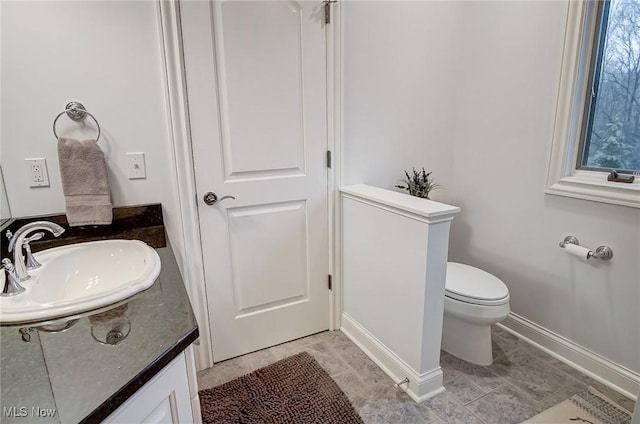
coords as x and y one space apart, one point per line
611 127
597 123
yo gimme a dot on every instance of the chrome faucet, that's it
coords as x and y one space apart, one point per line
18 239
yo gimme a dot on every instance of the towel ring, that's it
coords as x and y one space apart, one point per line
76 112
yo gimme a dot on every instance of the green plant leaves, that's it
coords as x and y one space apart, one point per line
420 184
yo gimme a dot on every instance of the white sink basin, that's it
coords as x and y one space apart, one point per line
82 277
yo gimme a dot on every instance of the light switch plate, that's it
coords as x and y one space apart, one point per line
135 165
37 172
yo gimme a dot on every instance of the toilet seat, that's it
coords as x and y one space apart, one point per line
472 285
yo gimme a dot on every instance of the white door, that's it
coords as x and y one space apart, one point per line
257 90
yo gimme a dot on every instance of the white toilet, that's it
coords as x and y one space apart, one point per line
474 299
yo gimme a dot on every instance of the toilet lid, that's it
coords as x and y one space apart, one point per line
473 285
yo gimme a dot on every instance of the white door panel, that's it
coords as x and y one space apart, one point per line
268 243
256 80
260 74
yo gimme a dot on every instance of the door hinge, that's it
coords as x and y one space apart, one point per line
327 10
330 284
328 158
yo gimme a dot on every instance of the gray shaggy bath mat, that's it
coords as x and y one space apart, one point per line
293 390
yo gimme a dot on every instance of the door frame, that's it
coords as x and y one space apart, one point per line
182 156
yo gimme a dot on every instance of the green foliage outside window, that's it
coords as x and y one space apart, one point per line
612 139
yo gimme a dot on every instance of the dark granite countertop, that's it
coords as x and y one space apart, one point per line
76 373
142 222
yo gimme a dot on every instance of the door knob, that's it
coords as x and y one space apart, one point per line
210 198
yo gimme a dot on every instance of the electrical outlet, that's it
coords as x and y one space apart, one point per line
135 166
37 172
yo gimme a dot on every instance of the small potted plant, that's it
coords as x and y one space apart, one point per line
420 184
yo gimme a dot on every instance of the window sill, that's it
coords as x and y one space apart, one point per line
590 185
562 179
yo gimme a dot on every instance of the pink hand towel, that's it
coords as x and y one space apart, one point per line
85 182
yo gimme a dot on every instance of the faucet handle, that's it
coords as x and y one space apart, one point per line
11 286
34 237
30 261
8 266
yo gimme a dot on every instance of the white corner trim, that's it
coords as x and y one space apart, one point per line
421 386
563 153
562 177
192 379
335 70
180 140
334 132
595 366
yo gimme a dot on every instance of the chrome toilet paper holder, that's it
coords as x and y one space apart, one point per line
602 252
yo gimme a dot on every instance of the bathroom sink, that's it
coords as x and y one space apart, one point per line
82 277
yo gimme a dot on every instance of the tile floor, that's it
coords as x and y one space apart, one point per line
522 382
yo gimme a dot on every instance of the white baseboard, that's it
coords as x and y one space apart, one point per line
421 386
595 366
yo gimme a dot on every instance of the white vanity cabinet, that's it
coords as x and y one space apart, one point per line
171 396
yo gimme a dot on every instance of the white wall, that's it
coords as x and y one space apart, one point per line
398 102
107 55
508 226
491 71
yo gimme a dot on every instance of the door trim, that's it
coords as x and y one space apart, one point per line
181 147
180 143
335 131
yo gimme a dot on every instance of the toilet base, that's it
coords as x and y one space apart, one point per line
470 342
